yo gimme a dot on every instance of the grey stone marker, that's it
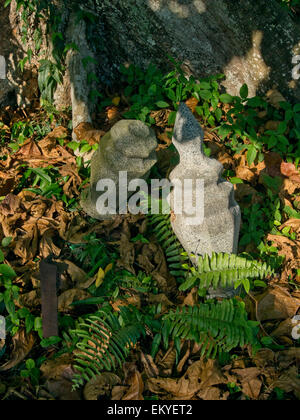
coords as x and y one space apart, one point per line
128 147
2 68
219 230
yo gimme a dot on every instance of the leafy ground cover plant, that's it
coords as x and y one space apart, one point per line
128 293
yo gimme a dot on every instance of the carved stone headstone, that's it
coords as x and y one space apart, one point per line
129 147
218 230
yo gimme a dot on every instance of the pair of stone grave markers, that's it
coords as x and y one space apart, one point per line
130 146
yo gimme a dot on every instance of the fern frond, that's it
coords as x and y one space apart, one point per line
225 270
218 327
105 341
174 252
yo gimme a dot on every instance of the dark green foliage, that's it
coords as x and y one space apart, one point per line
218 327
161 225
105 341
225 270
246 116
292 5
49 183
150 90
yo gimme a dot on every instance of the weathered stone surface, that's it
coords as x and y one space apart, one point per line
247 41
129 146
219 230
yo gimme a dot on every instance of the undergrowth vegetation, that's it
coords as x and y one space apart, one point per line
127 288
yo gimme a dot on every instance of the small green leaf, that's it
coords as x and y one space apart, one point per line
7 271
162 104
246 284
86 148
252 154
259 283
74 145
244 92
30 364
282 127
49 342
226 98
38 324
236 181
205 94
172 118
6 241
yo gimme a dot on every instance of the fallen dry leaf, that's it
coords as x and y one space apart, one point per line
58 374
66 299
161 117
29 150
100 386
288 357
47 245
289 381
7 184
192 103
289 187
294 224
199 376
289 170
277 303
79 277
22 346
133 378
118 392
85 131
274 97
167 362
287 247
150 367
285 328
250 381
127 254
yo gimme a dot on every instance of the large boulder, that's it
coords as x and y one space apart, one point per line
247 41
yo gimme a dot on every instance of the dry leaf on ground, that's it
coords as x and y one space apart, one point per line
22 346
58 374
277 304
133 378
66 299
250 382
101 386
289 381
199 376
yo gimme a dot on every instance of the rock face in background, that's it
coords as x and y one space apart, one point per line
250 41
128 147
246 40
217 228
